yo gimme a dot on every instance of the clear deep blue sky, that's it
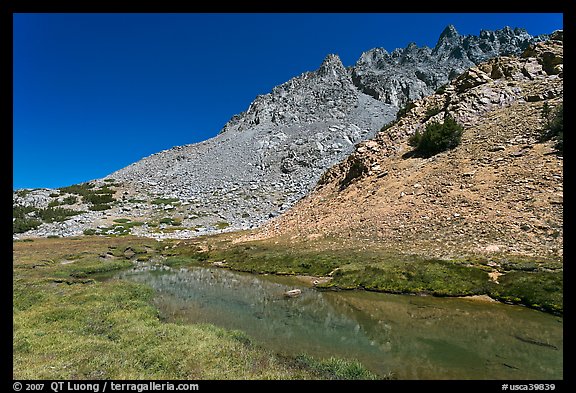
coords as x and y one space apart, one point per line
94 93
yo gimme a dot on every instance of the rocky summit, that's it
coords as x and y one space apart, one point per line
270 156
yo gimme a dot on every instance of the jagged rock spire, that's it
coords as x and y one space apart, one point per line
372 57
332 66
449 32
448 38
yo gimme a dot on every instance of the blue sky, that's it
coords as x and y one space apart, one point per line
94 93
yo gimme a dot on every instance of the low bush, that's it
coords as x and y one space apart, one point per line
100 207
221 225
23 224
165 201
405 109
433 111
441 89
437 137
79 189
554 125
98 199
56 214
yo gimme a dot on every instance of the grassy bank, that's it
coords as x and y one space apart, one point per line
67 325
529 281
70 325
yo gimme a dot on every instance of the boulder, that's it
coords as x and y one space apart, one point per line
293 293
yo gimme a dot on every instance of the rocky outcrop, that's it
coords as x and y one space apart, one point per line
500 190
415 72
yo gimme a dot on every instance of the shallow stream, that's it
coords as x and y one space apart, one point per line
412 337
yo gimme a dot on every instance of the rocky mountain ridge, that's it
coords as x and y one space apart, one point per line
270 156
415 72
500 190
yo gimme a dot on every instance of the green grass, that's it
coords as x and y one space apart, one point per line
86 266
336 368
170 221
221 225
165 201
533 282
268 259
121 227
67 325
540 290
440 278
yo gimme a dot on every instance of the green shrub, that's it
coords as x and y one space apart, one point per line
165 201
405 109
23 224
105 189
437 137
69 200
388 125
431 112
554 125
98 199
79 189
53 203
56 214
441 89
221 225
122 220
19 211
546 110
22 193
100 207
89 231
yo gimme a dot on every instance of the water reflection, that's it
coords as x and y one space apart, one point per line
413 337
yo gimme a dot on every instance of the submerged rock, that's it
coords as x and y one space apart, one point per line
293 293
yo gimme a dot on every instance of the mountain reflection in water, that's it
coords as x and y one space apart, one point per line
411 336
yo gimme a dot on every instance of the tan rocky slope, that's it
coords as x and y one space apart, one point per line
500 190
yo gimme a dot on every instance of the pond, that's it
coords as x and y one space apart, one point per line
411 337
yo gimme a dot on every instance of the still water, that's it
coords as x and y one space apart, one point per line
412 337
